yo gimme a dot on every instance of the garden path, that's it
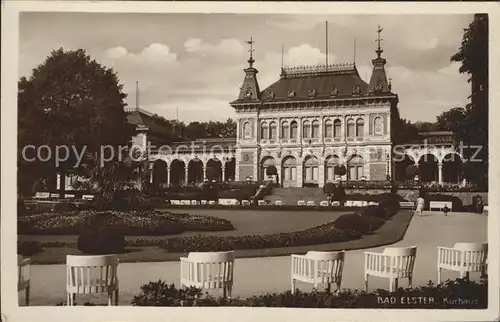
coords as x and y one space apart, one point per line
255 276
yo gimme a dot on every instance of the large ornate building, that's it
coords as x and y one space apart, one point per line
311 120
314 118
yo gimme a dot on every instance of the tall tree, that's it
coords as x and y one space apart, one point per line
70 100
473 55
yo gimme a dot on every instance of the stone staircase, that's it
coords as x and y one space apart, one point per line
290 196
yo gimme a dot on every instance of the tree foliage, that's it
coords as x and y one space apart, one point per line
271 170
69 100
473 131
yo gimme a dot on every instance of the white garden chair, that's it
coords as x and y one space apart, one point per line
393 263
208 270
463 258
92 275
23 277
317 268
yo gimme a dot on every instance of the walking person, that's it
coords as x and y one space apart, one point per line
420 206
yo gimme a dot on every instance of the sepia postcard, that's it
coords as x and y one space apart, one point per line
239 161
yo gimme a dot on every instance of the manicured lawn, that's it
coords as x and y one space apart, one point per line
392 231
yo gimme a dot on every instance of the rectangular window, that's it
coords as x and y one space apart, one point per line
336 131
360 172
272 134
350 130
293 132
330 173
328 131
315 174
352 173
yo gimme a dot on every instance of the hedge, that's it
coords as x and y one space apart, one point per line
323 234
472 295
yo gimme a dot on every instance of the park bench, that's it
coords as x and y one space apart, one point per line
42 196
393 263
245 202
92 274
88 197
311 203
301 203
278 203
440 205
463 258
23 277
208 270
324 203
318 268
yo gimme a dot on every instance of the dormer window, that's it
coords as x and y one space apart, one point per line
356 90
272 95
312 92
248 93
291 93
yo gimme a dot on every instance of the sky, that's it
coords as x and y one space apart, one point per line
191 65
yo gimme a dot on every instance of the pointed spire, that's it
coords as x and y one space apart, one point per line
249 90
378 79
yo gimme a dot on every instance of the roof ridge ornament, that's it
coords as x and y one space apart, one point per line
251 50
379 50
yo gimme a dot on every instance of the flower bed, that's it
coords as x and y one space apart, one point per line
135 223
473 295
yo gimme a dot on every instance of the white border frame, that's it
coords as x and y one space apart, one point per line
10 47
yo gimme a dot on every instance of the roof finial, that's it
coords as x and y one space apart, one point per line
379 40
251 50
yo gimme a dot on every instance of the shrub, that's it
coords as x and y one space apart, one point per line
472 295
373 211
101 241
63 207
28 248
390 206
358 223
340 170
329 188
160 293
323 234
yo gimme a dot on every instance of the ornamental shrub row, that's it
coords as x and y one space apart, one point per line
323 234
471 295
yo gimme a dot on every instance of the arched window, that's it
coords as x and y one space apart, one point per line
285 130
306 130
247 131
360 127
378 127
264 131
328 129
272 131
350 128
315 129
336 128
294 130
